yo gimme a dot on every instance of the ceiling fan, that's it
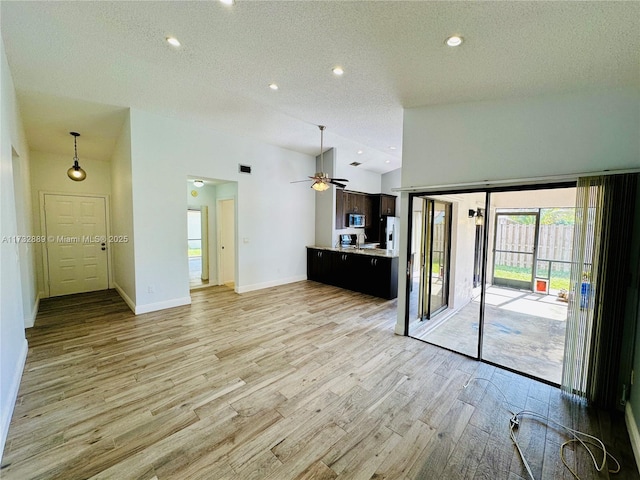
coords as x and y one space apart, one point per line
320 179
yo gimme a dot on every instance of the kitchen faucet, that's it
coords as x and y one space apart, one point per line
364 239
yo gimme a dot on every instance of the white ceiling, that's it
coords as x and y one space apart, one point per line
111 55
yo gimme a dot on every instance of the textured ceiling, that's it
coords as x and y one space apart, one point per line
393 53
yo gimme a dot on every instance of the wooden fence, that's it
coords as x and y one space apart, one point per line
554 243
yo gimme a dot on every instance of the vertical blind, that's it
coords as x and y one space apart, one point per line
599 278
585 260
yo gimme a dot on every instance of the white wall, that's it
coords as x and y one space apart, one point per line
388 182
274 216
515 139
522 138
463 236
49 175
26 251
13 344
359 180
325 202
122 254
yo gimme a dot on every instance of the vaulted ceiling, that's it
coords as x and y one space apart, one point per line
79 65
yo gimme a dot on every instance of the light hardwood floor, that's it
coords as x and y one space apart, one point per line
303 381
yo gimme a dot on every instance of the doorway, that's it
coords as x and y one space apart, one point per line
509 263
433 290
198 247
227 236
515 241
75 254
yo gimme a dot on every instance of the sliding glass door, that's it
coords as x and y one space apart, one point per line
489 275
434 270
431 301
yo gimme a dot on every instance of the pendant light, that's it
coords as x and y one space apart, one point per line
76 172
320 184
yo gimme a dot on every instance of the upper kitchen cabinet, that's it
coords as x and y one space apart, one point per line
373 206
350 202
387 205
340 211
354 202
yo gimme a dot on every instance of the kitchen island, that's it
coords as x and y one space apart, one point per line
368 270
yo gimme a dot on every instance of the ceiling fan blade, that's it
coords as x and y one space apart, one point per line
340 179
298 181
337 184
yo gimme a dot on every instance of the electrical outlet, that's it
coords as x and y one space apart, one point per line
150 289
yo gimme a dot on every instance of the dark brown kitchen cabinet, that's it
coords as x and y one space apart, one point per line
382 206
387 205
370 274
354 202
342 271
377 276
319 265
375 208
340 212
368 211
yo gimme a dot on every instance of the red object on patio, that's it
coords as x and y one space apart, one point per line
542 285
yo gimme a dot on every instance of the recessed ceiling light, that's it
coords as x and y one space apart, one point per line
392 148
338 71
173 41
198 183
387 161
360 152
454 41
273 86
228 2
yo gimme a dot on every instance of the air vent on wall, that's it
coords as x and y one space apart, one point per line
355 164
244 168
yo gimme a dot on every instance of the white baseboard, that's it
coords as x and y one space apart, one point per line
273 283
150 307
153 307
30 321
7 412
125 297
634 435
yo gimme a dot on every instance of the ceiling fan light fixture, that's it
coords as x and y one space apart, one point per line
320 186
76 173
321 180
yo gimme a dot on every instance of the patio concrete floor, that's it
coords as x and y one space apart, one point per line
523 331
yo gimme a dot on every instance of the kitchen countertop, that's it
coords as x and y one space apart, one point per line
375 252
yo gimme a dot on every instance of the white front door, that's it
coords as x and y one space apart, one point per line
76 231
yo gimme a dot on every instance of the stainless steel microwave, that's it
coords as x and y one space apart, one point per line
356 220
